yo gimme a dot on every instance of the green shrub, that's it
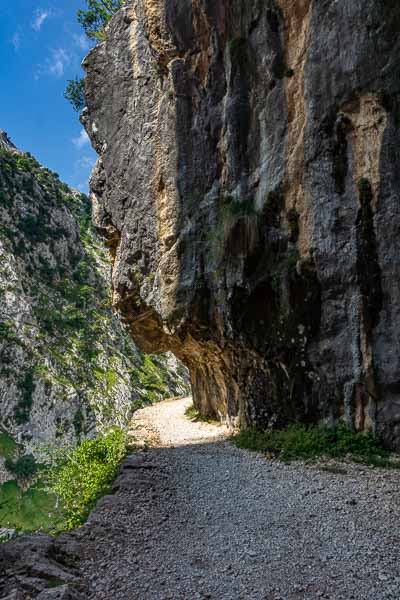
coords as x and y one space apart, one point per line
82 272
54 582
36 228
7 331
33 228
299 442
46 271
74 93
25 467
80 476
26 162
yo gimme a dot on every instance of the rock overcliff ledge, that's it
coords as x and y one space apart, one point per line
248 188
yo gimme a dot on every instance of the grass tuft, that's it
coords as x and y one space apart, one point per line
299 442
196 417
54 582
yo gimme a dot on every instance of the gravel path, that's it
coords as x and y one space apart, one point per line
196 518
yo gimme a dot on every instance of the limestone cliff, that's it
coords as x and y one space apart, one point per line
67 367
248 188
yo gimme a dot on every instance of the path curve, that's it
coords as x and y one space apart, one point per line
165 424
196 518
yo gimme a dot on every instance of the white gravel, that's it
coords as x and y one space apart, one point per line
196 518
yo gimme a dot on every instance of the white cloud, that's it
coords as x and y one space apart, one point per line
86 162
16 40
81 41
82 140
56 64
39 19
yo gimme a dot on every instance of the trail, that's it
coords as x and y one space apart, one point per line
194 517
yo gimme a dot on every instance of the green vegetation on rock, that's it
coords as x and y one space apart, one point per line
66 489
73 344
24 405
68 369
8 446
74 93
80 476
152 377
195 416
24 467
95 18
236 232
32 510
7 331
299 442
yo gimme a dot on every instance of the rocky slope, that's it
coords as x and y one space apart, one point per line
248 187
68 369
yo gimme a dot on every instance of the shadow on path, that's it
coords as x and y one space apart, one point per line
206 520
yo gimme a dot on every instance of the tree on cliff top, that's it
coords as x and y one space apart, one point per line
97 15
93 20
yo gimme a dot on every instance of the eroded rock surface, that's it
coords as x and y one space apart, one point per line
248 188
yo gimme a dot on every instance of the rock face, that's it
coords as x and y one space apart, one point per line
40 567
68 369
248 188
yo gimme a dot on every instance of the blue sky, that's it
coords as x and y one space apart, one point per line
41 47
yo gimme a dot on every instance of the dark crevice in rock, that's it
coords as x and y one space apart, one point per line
340 159
292 217
274 20
276 25
391 103
238 111
273 208
369 275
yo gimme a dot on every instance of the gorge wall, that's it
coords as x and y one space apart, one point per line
248 189
68 369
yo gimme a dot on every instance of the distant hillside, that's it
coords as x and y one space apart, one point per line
67 367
